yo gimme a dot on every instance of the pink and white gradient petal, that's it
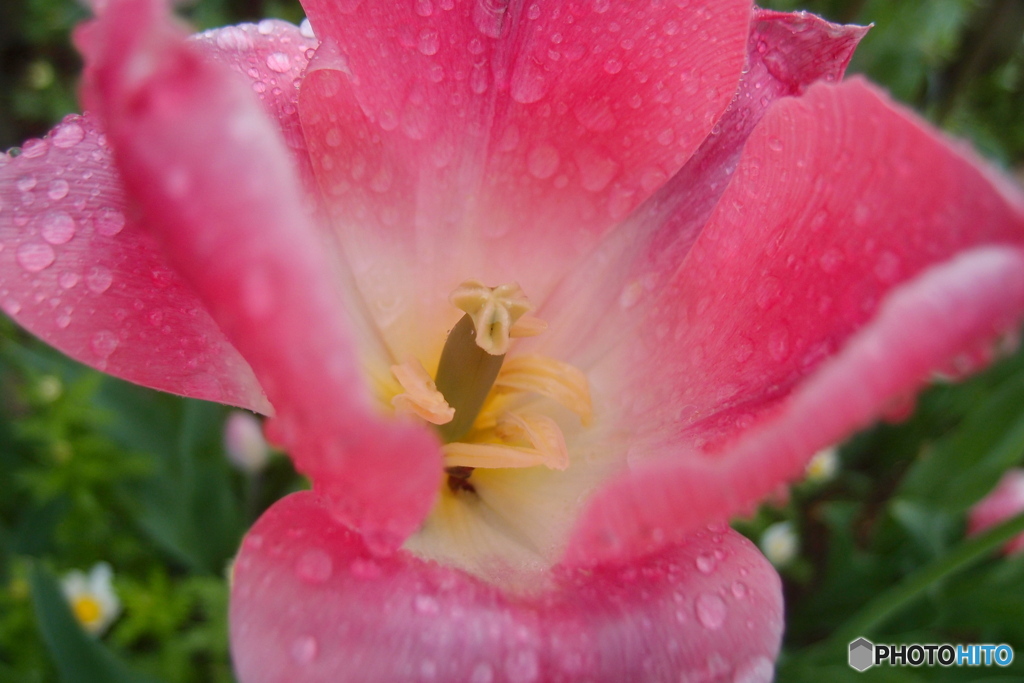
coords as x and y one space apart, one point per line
80 270
951 309
786 54
468 140
708 608
1004 501
219 190
840 201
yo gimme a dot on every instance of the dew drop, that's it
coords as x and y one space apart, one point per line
25 183
278 62
757 670
306 29
67 280
33 149
830 260
739 590
265 27
104 343
528 85
68 135
314 566
304 650
429 42
424 8
233 38
34 257
705 563
57 227
775 144
425 604
710 611
613 65
542 161
98 279
58 189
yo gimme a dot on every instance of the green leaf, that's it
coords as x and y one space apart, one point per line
960 469
189 504
79 657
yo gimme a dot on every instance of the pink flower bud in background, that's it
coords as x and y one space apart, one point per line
244 443
1003 502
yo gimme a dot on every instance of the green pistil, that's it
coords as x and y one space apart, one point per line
464 377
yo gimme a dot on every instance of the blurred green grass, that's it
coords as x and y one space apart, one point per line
95 469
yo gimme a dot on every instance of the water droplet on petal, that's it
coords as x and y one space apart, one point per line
528 85
365 569
104 343
278 62
68 135
429 42
775 144
705 563
425 604
58 189
35 257
33 149
613 65
542 161
710 611
304 650
233 38
67 280
306 29
757 670
739 590
98 279
25 183
314 566
57 227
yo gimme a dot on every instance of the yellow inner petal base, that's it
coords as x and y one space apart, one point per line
87 610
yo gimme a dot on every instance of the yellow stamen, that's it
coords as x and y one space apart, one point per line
494 311
546 446
87 610
527 326
548 377
421 396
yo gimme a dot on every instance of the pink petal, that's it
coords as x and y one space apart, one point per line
485 140
78 269
214 181
839 199
311 603
271 57
951 309
785 54
1006 500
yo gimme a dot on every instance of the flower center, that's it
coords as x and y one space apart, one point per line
478 399
87 610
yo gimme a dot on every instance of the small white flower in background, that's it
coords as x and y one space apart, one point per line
823 466
243 440
779 543
92 597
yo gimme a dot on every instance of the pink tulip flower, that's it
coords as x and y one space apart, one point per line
707 258
1006 500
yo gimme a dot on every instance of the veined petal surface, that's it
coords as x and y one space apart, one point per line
848 224
706 609
220 191
459 140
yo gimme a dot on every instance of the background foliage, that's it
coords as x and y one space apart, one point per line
96 470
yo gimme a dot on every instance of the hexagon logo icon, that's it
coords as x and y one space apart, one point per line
862 654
